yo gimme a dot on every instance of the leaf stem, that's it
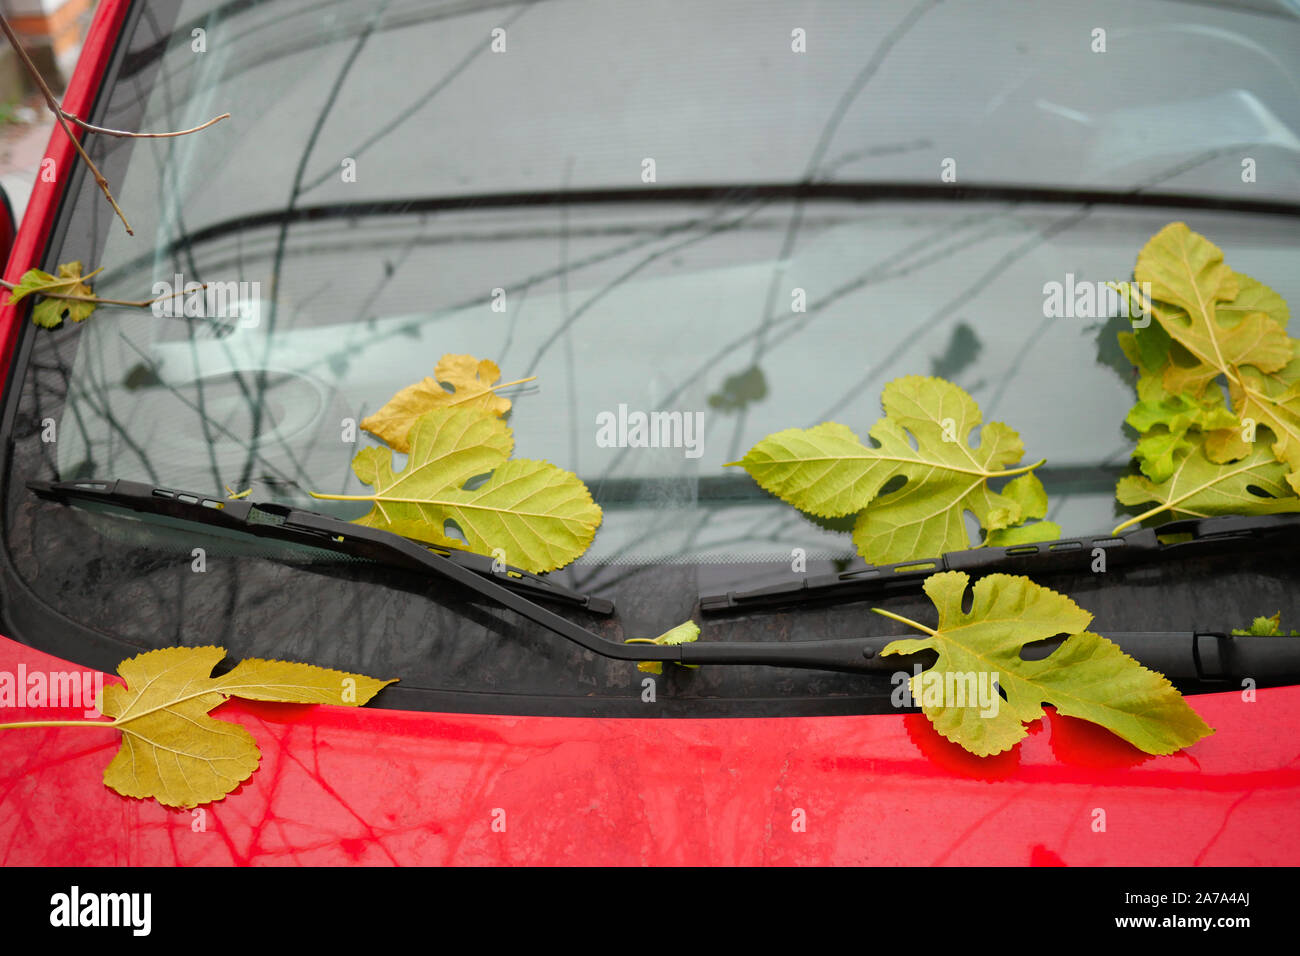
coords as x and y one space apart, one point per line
980 472
1131 292
25 724
1017 471
491 388
518 381
1138 519
906 620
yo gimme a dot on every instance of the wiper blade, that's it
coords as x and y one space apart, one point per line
280 522
1199 657
1207 535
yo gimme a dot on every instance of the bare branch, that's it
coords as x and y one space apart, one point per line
64 117
57 110
74 118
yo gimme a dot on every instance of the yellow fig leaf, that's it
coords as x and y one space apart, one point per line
1087 676
685 633
1265 627
827 472
1198 487
539 516
1171 424
1190 283
48 313
1224 323
172 750
473 386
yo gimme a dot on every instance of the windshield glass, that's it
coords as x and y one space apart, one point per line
727 212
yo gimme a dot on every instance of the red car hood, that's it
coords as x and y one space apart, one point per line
342 785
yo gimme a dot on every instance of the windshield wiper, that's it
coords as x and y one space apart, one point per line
283 523
1191 536
1180 655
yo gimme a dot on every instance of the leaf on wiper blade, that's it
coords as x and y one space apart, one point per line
685 633
1224 324
540 517
826 471
1265 627
1254 485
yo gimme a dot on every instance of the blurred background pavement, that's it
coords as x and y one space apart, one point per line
52 32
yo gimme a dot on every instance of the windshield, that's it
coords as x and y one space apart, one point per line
728 212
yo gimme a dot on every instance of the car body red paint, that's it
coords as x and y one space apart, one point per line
340 786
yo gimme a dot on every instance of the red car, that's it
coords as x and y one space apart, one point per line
624 202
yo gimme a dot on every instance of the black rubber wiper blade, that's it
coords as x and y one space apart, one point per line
1200 536
281 522
1199 657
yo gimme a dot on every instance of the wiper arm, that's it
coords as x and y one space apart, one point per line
280 522
1208 535
1182 655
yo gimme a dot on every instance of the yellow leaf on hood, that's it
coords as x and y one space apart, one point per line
172 750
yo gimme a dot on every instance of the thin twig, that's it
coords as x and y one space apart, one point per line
74 118
64 117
